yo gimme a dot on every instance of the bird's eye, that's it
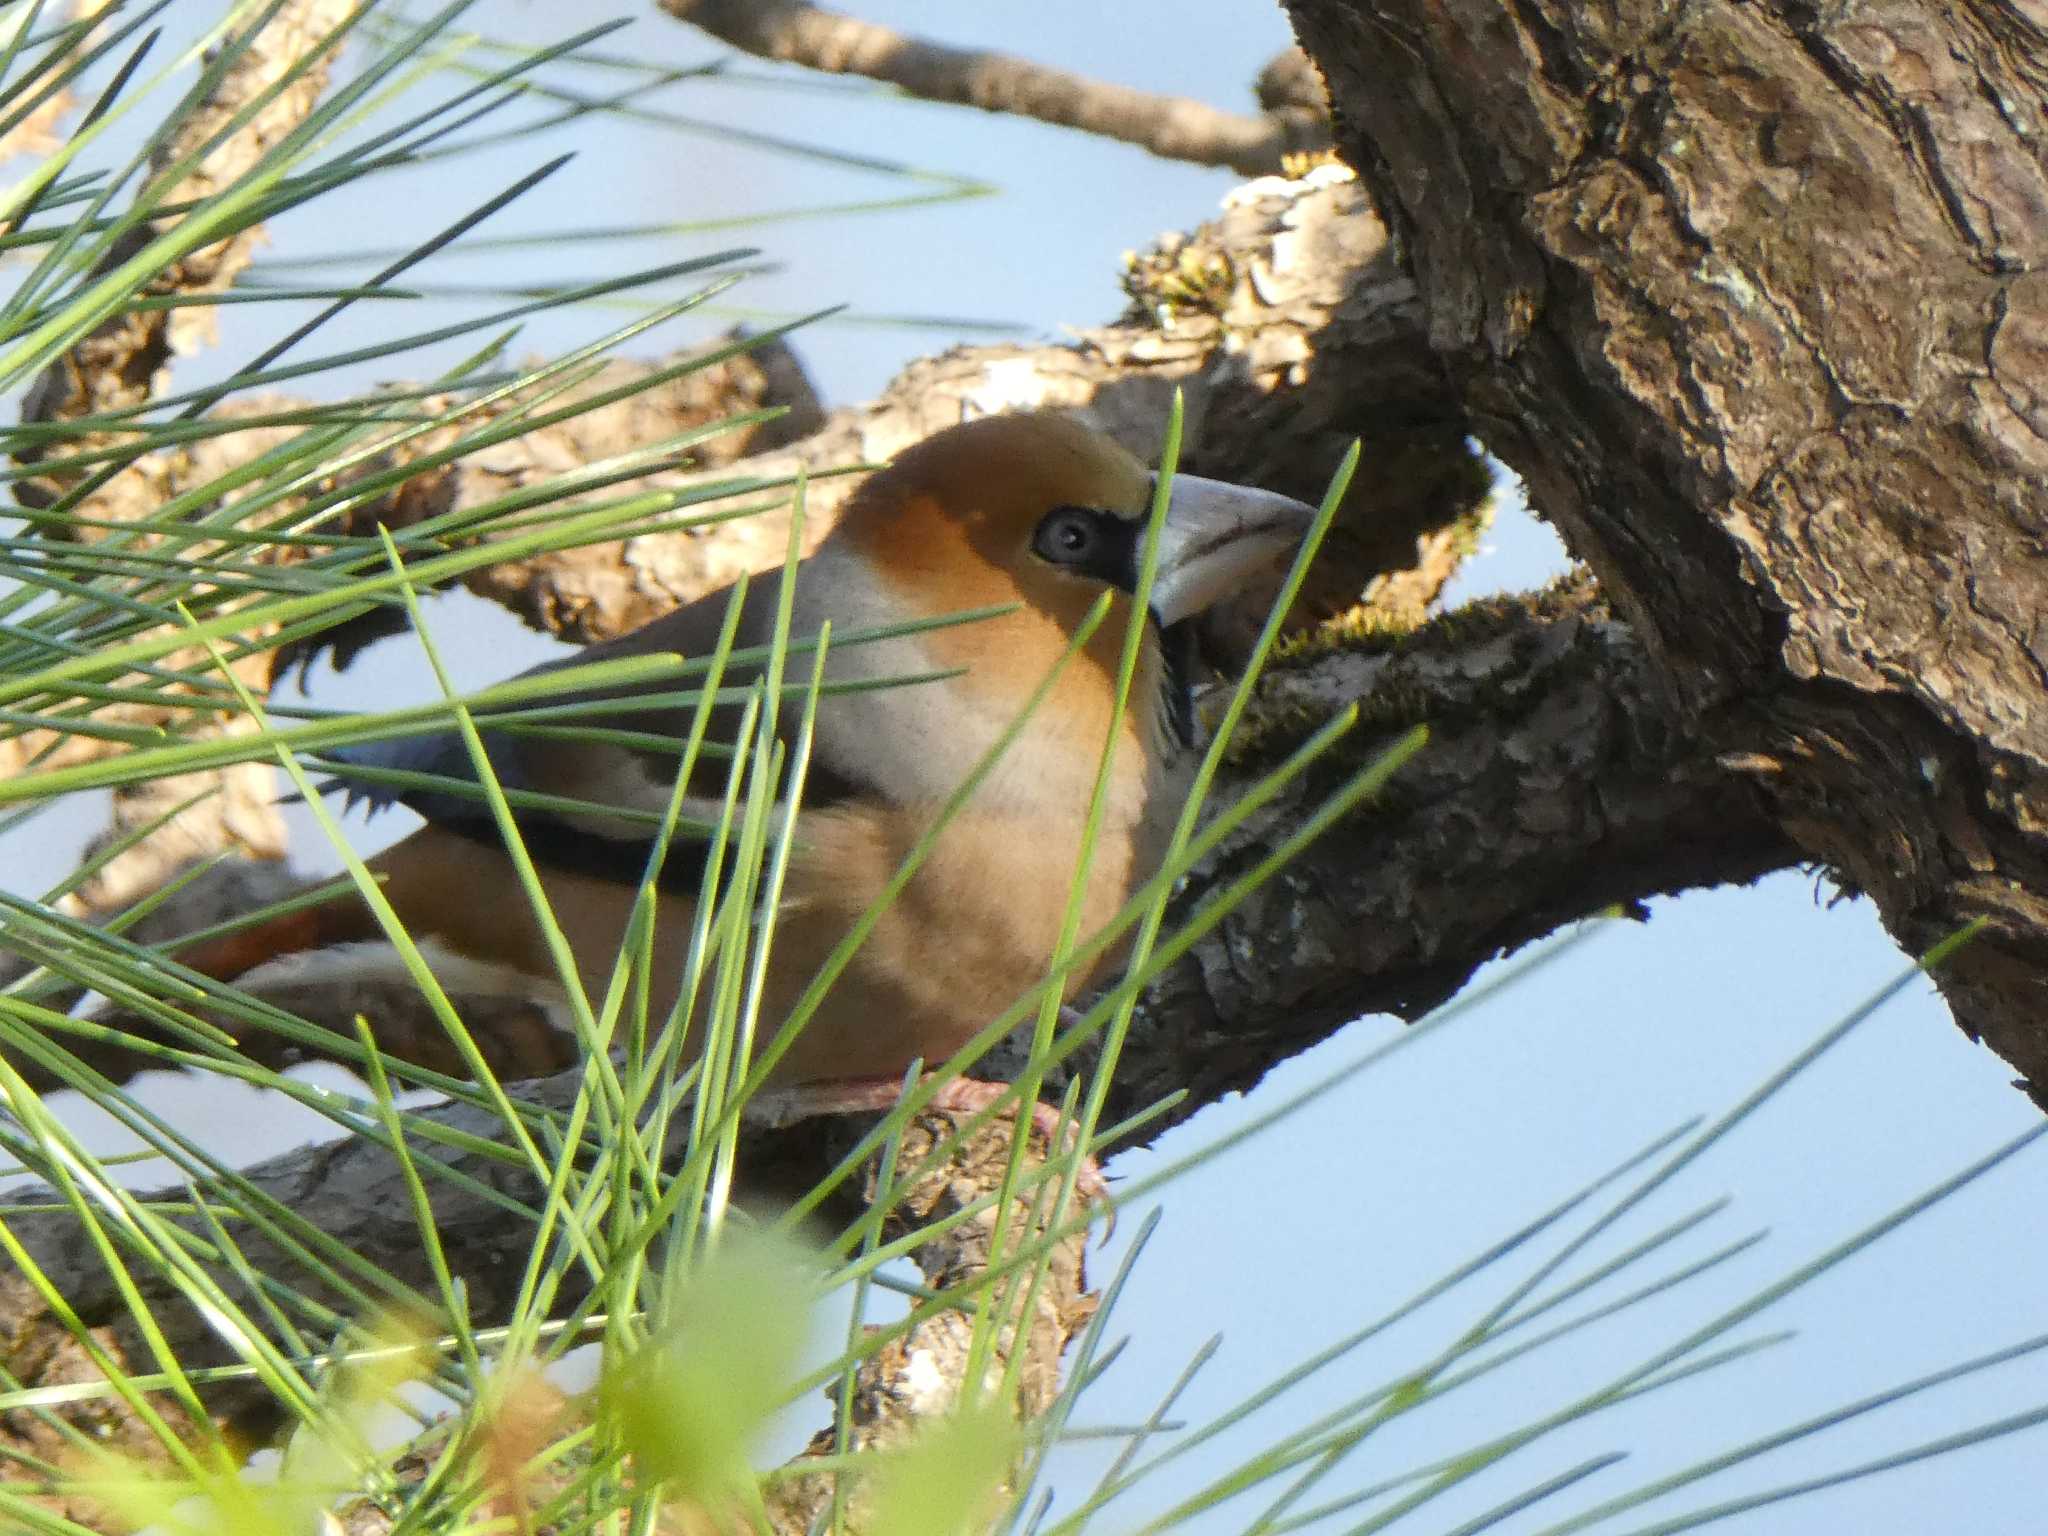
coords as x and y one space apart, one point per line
1068 536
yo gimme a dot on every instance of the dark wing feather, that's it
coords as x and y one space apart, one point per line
599 774
441 754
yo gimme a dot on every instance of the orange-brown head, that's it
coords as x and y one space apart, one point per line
1042 511
1040 515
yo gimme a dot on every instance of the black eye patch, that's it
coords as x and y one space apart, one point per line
1090 542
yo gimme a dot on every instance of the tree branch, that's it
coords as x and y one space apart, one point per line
1557 783
123 364
1172 127
1751 296
1243 316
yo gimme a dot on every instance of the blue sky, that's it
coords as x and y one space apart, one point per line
1349 1205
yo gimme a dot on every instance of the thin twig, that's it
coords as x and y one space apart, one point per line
1172 127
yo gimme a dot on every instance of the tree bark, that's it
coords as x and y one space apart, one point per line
1750 295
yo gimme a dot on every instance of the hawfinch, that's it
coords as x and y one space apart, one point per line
1035 513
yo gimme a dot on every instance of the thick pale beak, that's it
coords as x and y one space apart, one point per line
1217 536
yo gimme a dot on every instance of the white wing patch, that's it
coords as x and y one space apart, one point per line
377 967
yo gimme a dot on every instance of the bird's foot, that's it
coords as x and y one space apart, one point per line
970 1095
956 1095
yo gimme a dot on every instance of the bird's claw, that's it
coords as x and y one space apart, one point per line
968 1095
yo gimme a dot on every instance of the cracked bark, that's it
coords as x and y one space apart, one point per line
1751 296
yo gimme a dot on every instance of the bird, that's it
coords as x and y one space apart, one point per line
1036 514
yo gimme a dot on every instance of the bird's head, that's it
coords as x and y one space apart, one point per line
1046 513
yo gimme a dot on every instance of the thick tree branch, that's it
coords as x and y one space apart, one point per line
919 1378
1751 295
1172 127
122 363
1558 782
1292 283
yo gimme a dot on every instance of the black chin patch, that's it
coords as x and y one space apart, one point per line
1180 647
1110 549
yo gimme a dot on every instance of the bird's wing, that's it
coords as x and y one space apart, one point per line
588 781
